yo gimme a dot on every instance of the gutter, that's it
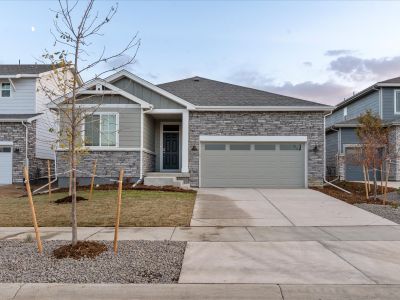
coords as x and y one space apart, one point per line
263 108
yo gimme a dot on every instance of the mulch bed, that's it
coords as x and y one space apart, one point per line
68 199
135 262
87 249
357 190
128 186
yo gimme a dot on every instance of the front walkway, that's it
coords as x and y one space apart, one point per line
276 207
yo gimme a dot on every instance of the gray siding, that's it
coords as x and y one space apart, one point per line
148 132
332 149
145 94
23 98
348 136
355 109
388 103
129 126
106 99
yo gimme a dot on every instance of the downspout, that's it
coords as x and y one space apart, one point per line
325 180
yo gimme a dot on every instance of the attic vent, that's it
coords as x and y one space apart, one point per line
99 87
196 79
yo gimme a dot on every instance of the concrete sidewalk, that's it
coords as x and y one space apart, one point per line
197 291
216 234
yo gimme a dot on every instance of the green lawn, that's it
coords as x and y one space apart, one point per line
139 208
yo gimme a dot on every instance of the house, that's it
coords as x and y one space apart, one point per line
382 99
200 132
25 120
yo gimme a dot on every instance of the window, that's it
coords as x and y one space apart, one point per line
101 130
240 146
5 89
296 147
214 146
264 147
171 128
345 112
397 102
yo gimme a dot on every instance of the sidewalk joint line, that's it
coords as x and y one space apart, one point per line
172 234
16 293
328 233
87 238
280 289
338 255
250 233
269 201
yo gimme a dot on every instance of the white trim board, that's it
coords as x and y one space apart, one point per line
162 145
148 85
251 138
263 108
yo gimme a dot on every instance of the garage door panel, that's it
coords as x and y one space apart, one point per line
268 166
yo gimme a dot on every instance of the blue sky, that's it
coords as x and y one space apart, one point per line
320 51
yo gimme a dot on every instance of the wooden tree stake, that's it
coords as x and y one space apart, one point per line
92 180
29 192
382 178
118 216
367 172
49 175
365 181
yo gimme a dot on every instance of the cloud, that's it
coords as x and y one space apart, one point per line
122 61
339 52
307 63
33 29
328 92
359 69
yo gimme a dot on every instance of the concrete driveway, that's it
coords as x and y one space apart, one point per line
276 207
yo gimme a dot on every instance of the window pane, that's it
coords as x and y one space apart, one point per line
5 90
5 93
92 130
214 146
5 149
171 127
264 147
240 146
108 130
296 147
397 101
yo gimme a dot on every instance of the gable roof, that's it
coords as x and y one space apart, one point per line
392 82
206 92
125 73
32 69
86 89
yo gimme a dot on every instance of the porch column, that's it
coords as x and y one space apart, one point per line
185 142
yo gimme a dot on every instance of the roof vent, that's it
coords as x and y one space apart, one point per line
196 79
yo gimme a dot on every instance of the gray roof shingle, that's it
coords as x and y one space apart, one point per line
21 117
205 92
391 80
24 69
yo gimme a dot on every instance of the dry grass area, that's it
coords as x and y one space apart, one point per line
139 208
357 192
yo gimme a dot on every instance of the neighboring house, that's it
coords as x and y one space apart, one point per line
199 131
382 99
24 122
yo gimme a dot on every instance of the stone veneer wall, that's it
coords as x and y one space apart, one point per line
310 124
108 165
149 162
15 132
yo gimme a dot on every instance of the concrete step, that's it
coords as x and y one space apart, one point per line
163 180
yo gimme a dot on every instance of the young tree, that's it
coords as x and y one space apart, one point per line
76 27
375 149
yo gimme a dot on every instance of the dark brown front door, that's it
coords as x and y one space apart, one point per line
171 151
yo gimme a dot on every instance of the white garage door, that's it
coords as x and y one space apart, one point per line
243 164
5 164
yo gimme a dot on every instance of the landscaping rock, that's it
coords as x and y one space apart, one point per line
385 211
136 262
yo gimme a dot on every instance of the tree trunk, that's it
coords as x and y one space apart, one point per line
375 184
365 181
74 223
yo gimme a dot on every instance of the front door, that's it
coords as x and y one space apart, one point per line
171 151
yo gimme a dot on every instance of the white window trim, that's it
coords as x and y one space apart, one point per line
116 114
1 90
345 112
395 92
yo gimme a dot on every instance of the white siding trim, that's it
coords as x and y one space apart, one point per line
263 108
395 92
6 143
250 138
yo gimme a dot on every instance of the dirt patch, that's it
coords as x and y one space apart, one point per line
357 190
83 249
68 199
